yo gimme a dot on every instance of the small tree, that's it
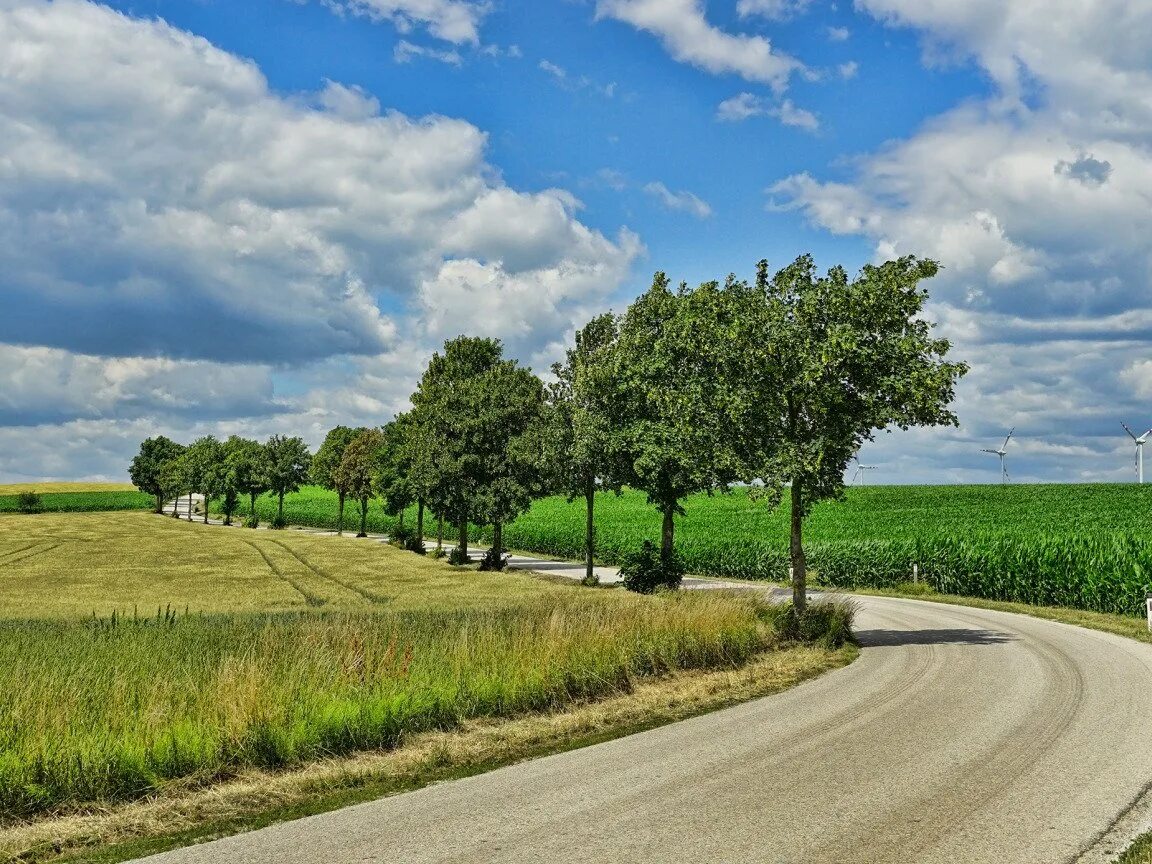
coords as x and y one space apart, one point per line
357 471
147 469
828 362
248 464
578 440
288 464
174 475
327 460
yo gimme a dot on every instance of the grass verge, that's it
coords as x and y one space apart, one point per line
181 816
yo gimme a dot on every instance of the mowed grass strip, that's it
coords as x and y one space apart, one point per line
95 710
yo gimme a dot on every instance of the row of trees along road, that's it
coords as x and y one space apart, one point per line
225 470
774 383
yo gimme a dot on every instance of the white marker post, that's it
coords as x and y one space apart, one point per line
1148 603
915 573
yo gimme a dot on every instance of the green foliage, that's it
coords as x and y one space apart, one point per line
149 470
252 521
82 502
279 522
287 465
668 437
459 558
29 502
647 571
357 470
247 463
824 363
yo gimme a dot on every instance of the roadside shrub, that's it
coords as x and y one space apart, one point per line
278 523
438 553
252 521
30 502
826 622
494 562
914 588
644 571
415 544
458 557
401 536
592 581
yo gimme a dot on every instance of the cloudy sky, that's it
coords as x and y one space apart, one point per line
263 216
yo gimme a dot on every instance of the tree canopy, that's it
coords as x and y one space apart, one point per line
147 470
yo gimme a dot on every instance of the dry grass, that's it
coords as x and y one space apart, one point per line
257 797
50 487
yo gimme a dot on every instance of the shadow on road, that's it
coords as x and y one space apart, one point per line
883 638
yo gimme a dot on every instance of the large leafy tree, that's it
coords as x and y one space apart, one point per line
828 362
474 405
247 462
407 472
357 471
327 460
668 437
147 468
288 465
578 443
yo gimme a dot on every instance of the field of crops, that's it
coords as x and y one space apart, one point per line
1082 546
233 648
88 501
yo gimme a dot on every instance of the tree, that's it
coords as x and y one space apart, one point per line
579 425
288 464
327 460
174 477
828 362
357 470
203 462
408 469
668 438
224 481
147 469
472 404
248 463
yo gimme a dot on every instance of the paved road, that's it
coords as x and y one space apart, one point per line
960 736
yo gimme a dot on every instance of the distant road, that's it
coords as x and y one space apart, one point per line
960 736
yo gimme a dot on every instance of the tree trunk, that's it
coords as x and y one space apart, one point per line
666 536
252 503
280 509
189 505
439 532
364 517
462 541
176 506
402 509
340 517
590 531
206 500
498 538
796 547
159 502
420 521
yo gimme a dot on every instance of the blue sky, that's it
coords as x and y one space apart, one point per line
263 216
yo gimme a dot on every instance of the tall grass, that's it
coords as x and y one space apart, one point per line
105 710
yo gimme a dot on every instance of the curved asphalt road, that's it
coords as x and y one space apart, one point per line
960 736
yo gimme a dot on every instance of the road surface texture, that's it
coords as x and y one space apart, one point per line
960 736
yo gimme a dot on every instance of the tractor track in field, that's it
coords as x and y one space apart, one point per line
8 561
309 598
376 599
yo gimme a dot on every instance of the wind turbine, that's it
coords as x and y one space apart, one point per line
1001 453
860 468
1139 450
